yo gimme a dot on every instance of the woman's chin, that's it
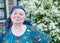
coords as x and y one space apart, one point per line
18 22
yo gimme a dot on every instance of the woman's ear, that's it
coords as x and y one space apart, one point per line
25 17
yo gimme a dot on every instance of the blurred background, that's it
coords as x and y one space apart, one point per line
44 14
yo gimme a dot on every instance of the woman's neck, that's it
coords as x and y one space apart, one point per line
18 29
18 26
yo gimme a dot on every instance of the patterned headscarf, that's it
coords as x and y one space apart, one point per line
8 22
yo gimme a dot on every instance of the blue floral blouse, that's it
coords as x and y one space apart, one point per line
31 35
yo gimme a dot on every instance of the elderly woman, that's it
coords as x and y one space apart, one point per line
17 29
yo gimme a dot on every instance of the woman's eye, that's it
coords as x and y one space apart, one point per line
21 14
15 13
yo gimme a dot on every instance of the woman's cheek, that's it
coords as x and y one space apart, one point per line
13 16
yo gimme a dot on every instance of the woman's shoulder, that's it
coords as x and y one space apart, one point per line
33 28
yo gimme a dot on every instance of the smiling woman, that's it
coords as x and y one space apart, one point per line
18 16
17 29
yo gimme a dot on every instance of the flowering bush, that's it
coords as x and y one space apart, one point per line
45 14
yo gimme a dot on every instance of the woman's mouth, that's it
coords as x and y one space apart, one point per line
18 19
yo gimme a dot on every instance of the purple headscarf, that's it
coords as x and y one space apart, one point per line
17 6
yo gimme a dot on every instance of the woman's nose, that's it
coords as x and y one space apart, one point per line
18 15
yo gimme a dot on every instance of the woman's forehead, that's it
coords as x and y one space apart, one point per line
19 10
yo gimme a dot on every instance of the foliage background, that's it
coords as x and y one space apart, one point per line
44 14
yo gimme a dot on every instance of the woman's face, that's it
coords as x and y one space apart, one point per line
18 16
